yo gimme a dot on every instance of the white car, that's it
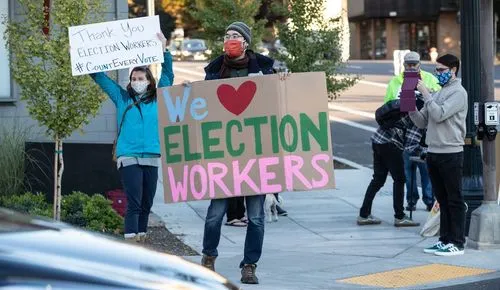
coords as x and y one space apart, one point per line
42 254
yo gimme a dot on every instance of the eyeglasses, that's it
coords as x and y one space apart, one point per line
232 36
442 69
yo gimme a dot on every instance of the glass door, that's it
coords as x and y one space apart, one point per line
418 36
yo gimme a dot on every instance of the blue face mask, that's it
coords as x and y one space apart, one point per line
443 77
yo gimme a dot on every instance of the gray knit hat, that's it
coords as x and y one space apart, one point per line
412 58
243 29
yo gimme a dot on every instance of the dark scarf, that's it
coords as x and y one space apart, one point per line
229 64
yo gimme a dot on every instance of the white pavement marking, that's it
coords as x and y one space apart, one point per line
373 84
350 163
353 124
351 111
190 72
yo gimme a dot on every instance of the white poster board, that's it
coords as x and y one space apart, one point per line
115 45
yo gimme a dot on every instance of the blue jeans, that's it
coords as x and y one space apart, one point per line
255 230
427 196
139 183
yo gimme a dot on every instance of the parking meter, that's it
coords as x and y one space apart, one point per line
491 119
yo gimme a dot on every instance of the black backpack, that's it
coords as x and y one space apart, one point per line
388 115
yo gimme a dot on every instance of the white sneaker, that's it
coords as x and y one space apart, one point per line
450 250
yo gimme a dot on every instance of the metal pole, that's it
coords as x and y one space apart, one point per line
485 221
488 95
472 182
151 12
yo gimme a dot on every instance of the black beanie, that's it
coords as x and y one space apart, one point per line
450 61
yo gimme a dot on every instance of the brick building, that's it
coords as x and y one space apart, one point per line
378 27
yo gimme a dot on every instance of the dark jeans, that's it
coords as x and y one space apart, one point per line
235 208
255 230
427 197
386 158
445 171
139 183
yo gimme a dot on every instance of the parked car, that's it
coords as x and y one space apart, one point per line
193 49
263 48
175 48
42 254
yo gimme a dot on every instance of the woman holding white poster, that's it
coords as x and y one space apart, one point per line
137 143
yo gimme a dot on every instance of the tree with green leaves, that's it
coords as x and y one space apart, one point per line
41 66
311 42
216 15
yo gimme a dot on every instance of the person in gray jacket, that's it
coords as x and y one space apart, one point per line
444 115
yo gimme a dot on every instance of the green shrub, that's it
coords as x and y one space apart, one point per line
72 208
79 209
29 203
101 217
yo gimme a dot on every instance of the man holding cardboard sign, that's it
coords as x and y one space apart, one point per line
237 62
244 136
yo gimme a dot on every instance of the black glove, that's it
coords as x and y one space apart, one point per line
423 155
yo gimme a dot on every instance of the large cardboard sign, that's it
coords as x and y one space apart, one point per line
115 45
245 136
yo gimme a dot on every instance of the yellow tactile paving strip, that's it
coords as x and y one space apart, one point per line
420 275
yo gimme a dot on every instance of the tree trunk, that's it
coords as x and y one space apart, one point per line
58 171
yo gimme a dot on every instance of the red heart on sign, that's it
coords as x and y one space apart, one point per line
234 100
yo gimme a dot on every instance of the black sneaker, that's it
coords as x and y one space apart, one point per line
281 211
248 274
429 207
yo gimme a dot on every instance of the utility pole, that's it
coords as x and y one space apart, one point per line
155 68
485 222
472 182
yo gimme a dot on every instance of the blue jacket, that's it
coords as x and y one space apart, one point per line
139 134
257 63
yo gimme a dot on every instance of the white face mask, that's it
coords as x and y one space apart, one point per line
139 87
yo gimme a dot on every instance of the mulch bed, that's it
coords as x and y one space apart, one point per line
162 240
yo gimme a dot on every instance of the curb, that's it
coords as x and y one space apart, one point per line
492 282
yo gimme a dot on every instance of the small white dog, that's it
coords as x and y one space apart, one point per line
270 207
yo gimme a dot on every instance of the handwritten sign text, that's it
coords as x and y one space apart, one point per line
115 45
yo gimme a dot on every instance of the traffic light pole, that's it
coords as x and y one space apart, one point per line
485 220
472 183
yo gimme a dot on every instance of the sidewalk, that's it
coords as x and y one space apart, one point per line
319 244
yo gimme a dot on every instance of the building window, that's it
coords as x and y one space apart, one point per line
380 39
4 55
418 36
366 39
